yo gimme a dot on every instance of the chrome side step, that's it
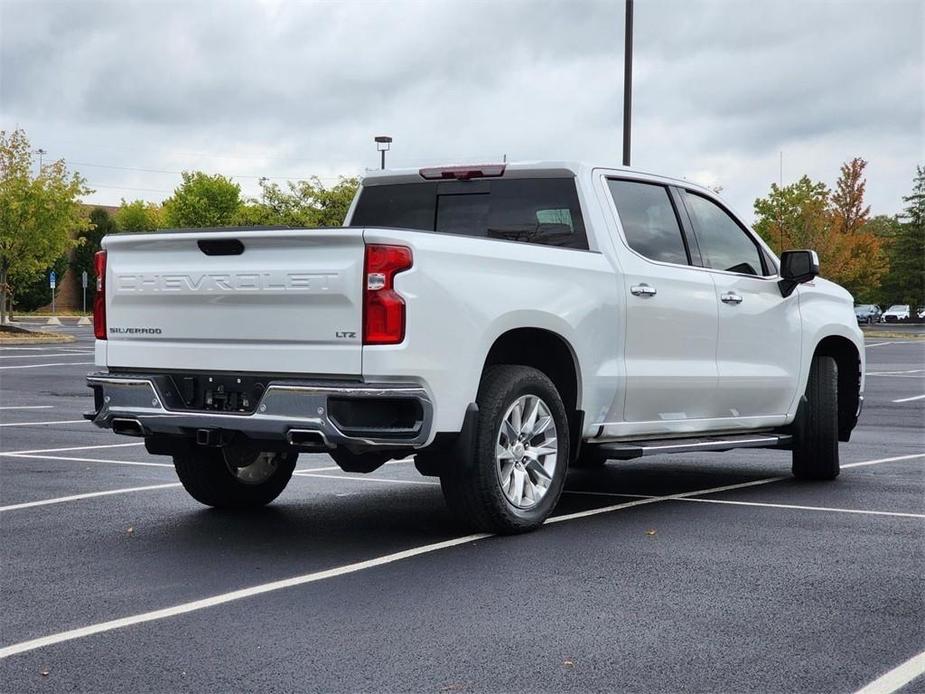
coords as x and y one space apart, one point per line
624 450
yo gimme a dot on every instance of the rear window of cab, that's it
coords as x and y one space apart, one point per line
541 211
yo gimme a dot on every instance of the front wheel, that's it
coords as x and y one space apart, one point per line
815 450
234 476
515 477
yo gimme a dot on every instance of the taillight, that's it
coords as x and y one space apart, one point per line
383 307
99 301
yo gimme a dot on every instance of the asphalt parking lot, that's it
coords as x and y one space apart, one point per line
710 572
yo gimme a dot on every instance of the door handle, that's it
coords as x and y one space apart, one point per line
643 290
731 298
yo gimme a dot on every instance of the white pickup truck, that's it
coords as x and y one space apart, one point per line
499 323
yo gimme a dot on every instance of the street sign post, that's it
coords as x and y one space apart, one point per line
52 282
83 281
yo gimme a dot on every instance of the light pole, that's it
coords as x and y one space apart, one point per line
383 144
627 81
41 152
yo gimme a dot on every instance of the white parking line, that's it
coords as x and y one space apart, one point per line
914 397
89 495
27 407
223 598
896 342
808 508
39 424
39 366
366 479
894 459
19 348
898 677
73 448
85 460
43 356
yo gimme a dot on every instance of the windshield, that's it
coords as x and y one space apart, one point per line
899 307
865 307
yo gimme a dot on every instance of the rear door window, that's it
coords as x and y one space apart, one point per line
649 221
542 211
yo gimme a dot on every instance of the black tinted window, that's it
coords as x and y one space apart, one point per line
404 206
724 245
532 210
649 221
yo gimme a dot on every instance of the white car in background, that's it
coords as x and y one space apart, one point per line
897 312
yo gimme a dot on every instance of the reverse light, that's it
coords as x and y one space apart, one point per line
463 173
99 301
383 307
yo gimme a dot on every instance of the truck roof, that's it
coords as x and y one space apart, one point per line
520 169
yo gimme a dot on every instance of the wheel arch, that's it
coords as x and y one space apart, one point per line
553 355
848 359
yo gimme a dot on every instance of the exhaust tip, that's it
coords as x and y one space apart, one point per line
308 439
127 427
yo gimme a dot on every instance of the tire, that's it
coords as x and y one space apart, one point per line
815 450
214 476
474 489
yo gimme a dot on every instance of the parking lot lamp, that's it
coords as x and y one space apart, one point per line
383 143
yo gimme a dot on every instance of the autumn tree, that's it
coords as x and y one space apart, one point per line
300 204
806 214
202 200
139 215
849 212
38 214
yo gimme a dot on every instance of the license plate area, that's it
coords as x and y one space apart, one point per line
212 393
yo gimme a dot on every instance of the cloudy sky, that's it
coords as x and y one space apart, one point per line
131 92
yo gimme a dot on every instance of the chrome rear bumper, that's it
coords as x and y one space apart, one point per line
293 411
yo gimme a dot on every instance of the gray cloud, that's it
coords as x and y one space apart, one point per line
292 89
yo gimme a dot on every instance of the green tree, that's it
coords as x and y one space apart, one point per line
202 200
31 288
38 214
794 216
906 281
88 243
301 204
139 215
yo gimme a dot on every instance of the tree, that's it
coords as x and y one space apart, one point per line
302 204
139 215
31 288
794 216
906 281
806 214
88 243
848 210
202 200
37 214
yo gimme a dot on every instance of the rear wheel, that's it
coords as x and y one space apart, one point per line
234 476
515 477
815 450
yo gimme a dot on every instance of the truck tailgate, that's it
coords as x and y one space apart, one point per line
269 301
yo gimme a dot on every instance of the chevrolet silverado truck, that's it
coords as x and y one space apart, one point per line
499 323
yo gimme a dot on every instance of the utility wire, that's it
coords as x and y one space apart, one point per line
166 171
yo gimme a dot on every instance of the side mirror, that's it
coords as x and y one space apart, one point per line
796 267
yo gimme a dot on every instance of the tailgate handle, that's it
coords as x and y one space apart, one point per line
221 246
